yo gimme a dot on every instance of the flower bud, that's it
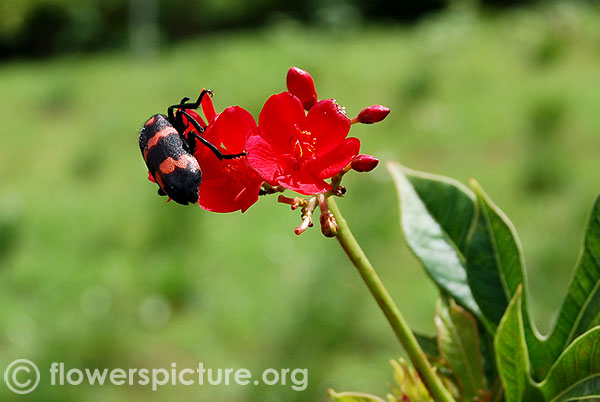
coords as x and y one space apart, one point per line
372 114
364 163
301 84
329 226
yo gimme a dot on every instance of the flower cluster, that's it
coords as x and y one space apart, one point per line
299 144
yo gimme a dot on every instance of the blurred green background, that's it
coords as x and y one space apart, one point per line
96 270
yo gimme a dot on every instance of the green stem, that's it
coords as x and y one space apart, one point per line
389 308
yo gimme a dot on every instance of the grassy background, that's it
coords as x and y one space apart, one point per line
96 270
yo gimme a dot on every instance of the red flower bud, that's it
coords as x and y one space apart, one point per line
364 163
373 114
301 84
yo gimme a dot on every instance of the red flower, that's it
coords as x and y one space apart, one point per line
230 184
299 151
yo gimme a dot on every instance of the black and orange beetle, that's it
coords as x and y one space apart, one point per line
169 152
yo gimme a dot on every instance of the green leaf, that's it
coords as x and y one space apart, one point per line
486 345
471 251
512 357
496 269
588 388
436 216
352 397
576 369
581 308
494 259
429 345
458 341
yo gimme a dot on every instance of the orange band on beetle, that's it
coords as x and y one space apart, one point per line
165 132
169 165
150 121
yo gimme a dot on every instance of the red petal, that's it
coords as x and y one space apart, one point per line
328 125
264 159
227 185
333 162
208 108
230 130
304 183
279 119
249 195
222 195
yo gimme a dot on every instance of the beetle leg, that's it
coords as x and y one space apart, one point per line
184 105
208 144
195 105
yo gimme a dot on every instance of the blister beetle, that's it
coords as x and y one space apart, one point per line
169 151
